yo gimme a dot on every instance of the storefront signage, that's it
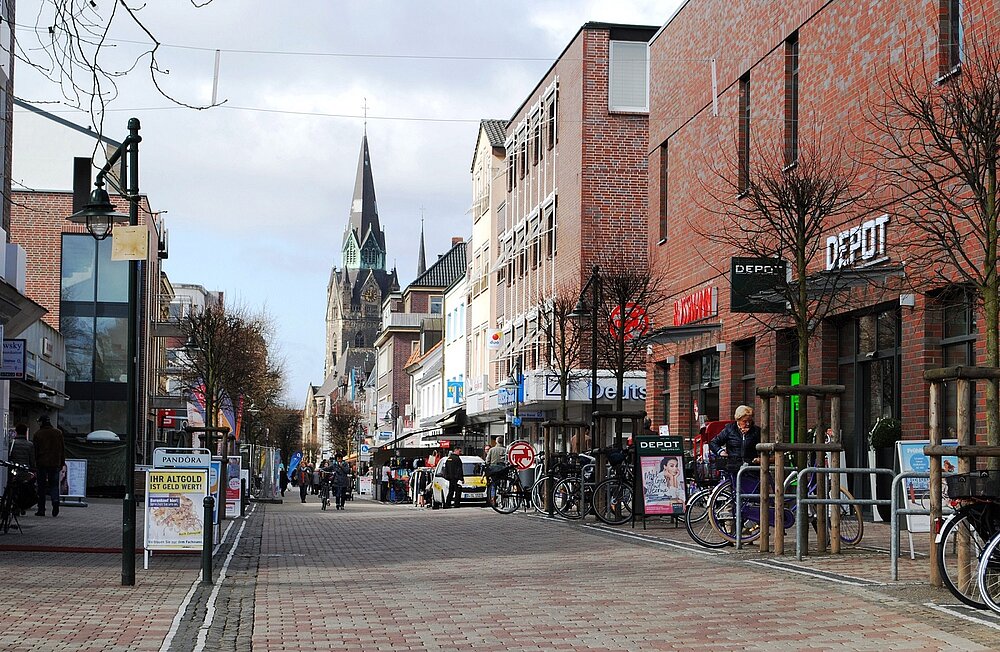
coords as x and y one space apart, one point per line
661 461
13 361
694 307
858 246
494 340
633 322
634 389
181 458
751 277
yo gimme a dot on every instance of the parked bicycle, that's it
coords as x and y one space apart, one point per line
504 491
610 500
965 538
13 502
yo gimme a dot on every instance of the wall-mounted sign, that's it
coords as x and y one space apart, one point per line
632 322
14 358
633 389
858 246
697 306
456 391
751 277
494 339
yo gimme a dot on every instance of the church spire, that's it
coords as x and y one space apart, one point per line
421 256
364 241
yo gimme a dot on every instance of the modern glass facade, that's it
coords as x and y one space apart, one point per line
93 317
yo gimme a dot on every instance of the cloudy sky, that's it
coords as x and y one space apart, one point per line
258 190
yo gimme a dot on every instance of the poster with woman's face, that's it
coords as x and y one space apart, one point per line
663 484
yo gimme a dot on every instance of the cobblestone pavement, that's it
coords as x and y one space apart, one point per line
391 577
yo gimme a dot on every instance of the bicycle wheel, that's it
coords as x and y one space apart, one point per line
506 495
567 499
722 516
959 549
6 509
613 501
697 523
988 574
852 524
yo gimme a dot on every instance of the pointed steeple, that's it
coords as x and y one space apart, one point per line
421 256
368 250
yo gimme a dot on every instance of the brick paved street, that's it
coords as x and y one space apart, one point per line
378 577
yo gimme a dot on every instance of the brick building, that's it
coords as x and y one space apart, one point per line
575 197
733 83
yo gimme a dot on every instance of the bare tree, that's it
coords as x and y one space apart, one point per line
772 210
343 422
562 338
938 141
284 431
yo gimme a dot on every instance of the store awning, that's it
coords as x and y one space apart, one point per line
670 334
17 311
455 418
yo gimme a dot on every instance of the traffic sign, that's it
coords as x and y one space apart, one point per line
521 454
516 422
634 323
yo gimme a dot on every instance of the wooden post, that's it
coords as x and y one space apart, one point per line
778 436
835 477
821 510
935 413
765 461
779 504
965 464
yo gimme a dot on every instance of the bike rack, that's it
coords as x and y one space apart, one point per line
894 526
739 501
802 533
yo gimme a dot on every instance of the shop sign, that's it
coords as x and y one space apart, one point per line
752 276
13 362
697 306
661 463
634 389
494 340
858 246
456 390
634 323
181 458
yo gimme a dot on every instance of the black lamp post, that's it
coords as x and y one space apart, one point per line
513 384
99 217
580 312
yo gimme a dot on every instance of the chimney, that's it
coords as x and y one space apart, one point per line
456 240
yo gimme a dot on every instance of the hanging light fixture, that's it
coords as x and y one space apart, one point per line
98 214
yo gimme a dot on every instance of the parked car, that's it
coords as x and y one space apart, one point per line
474 487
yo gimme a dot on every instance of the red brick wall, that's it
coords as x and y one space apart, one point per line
845 48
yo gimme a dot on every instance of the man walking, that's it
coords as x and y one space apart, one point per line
340 477
50 456
455 476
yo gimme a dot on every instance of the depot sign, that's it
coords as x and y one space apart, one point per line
858 246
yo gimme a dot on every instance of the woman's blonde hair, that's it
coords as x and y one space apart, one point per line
743 411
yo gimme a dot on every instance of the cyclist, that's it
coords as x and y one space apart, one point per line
738 440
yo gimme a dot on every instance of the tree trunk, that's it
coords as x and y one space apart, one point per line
991 308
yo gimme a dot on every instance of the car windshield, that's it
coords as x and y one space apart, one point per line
472 468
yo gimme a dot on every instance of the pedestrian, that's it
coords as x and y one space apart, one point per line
305 474
282 479
340 473
21 450
384 494
455 476
50 456
317 478
496 458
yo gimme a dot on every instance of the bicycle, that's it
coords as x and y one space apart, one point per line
722 511
324 491
18 475
966 536
504 491
610 500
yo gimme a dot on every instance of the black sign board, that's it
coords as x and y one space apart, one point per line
754 281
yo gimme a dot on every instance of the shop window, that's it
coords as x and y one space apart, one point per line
746 372
958 342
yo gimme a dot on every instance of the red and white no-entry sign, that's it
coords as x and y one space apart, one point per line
521 454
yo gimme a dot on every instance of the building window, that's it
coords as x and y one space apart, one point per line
511 150
437 303
663 370
792 99
550 230
628 75
522 157
536 139
746 373
359 340
551 136
951 36
664 159
958 348
743 155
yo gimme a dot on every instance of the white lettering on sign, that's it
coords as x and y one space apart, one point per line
166 460
663 445
695 307
758 269
858 246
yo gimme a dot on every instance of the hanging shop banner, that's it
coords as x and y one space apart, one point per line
753 277
917 491
175 517
661 462
234 488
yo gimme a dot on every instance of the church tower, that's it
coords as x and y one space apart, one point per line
355 291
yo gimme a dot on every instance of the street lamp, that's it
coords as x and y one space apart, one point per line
99 217
513 384
580 312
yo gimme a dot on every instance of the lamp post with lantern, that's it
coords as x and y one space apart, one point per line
99 217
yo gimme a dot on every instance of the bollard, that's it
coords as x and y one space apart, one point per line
207 543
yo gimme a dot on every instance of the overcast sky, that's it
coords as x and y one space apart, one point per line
258 191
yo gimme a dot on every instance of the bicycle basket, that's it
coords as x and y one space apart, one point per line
978 484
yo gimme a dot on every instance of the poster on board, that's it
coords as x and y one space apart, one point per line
916 491
661 462
234 493
175 517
